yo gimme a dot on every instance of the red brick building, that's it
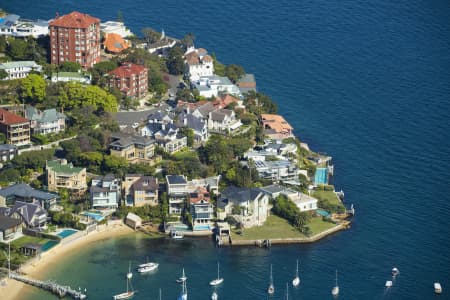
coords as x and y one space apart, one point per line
130 79
75 37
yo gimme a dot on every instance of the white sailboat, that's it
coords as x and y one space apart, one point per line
183 278
296 280
218 280
183 295
437 288
147 267
271 288
335 290
129 293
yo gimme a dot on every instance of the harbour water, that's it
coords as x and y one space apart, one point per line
367 82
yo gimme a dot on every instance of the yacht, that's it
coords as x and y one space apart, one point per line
183 278
388 284
271 288
296 280
148 268
437 288
177 235
129 293
395 272
335 290
218 280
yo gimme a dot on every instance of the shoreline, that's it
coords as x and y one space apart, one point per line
36 267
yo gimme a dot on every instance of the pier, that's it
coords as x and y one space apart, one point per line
51 286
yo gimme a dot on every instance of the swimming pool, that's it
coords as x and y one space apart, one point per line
179 227
323 213
321 176
97 217
48 245
202 227
66 232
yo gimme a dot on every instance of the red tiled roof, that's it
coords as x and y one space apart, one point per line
9 118
127 69
276 122
115 43
74 20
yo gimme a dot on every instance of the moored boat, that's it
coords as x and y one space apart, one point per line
129 293
395 271
176 235
296 280
335 290
388 284
183 278
148 268
218 280
437 288
271 288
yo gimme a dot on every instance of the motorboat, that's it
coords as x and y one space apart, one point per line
218 280
437 288
214 295
177 235
148 268
296 280
388 284
130 292
395 272
335 290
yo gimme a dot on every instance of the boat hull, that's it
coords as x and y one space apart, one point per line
128 295
296 281
216 281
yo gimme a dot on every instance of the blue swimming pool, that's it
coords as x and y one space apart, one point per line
321 176
323 213
47 246
66 233
202 227
179 227
97 217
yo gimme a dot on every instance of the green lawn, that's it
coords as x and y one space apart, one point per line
185 153
329 201
276 227
26 239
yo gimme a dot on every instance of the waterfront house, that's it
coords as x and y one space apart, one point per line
81 77
247 83
176 190
15 128
140 190
46 121
135 149
105 192
302 201
162 46
248 206
33 215
213 85
75 37
202 211
131 79
276 127
61 174
19 69
10 228
198 63
25 193
277 170
116 28
7 152
13 25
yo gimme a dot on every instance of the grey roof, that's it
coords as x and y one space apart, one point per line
25 191
272 189
7 147
45 116
8 222
146 183
237 195
176 179
205 109
123 140
191 121
27 211
220 114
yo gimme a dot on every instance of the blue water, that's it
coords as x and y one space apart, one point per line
66 232
366 81
323 213
321 176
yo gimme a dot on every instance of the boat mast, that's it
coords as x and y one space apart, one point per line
336 278
296 273
218 276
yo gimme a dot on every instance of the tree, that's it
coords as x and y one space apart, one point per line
188 40
3 74
175 61
150 35
69 66
189 133
234 72
2 138
74 94
33 88
119 16
219 68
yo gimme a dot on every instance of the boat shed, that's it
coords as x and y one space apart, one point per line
134 221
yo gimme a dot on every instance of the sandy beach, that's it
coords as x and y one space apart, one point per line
14 290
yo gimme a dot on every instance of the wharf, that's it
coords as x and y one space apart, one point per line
53 287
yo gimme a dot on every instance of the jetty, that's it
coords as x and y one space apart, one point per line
51 286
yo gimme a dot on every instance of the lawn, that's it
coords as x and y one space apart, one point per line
328 200
185 153
276 227
29 240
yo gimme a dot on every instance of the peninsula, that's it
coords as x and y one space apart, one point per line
100 127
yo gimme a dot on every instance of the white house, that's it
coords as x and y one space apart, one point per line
213 85
12 25
198 63
105 192
115 27
71 76
248 206
223 120
176 190
19 69
303 201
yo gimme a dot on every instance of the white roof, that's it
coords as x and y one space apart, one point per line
134 217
